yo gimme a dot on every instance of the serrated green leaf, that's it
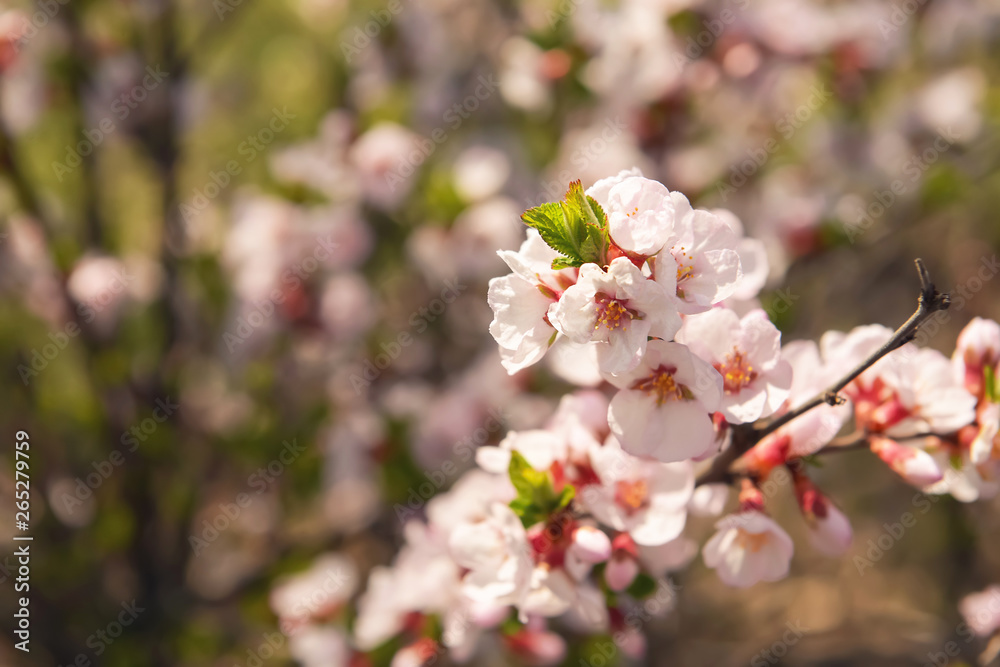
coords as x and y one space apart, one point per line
565 263
548 220
576 228
642 586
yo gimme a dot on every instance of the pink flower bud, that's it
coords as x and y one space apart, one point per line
591 545
982 611
914 465
417 654
537 648
621 571
769 453
829 530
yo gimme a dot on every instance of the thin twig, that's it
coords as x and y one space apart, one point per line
930 301
745 436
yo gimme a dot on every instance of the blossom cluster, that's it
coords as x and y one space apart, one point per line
585 517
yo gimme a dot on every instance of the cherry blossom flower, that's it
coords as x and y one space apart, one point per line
496 554
674 555
961 477
706 266
978 348
910 391
663 406
746 352
319 646
418 654
647 499
640 213
982 611
315 593
537 648
521 300
424 578
809 432
749 547
709 499
911 463
619 309
753 258
986 444
540 448
912 394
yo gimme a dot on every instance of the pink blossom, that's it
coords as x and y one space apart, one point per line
663 406
748 548
617 309
982 611
746 352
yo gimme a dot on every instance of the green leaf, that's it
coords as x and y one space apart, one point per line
642 586
565 497
576 228
525 479
536 499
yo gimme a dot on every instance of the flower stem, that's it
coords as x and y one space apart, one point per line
745 436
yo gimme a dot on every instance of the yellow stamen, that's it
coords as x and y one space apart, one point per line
736 371
661 384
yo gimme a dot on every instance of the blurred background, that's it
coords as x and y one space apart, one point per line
244 253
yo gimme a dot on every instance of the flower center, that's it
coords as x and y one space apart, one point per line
685 264
736 372
752 542
631 495
662 384
612 313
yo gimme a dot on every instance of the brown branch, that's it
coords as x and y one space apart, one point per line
930 301
745 436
